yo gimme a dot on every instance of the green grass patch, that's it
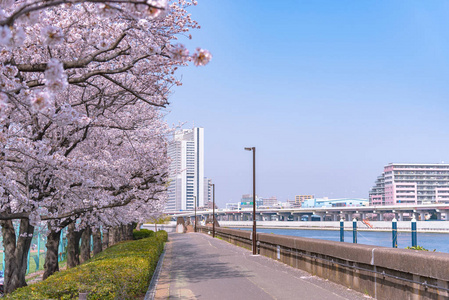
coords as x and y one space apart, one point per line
120 272
32 267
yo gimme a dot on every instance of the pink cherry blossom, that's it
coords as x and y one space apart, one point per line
40 100
201 57
52 35
179 52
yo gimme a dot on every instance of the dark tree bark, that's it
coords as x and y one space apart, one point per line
122 233
113 236
85 245
97 241
105 238
73 246
16 255
51 259
126 232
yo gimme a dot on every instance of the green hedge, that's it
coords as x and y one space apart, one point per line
120 272
142 234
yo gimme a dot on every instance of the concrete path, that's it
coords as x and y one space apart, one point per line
199 267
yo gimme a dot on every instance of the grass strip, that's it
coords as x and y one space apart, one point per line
122 271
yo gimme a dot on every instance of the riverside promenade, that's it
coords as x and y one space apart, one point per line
196 266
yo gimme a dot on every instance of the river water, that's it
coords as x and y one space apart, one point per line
431 241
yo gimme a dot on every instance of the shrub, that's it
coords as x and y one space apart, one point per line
142 234
418 248
120 272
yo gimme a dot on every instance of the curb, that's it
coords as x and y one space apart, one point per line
152 288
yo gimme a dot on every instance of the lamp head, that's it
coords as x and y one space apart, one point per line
248 148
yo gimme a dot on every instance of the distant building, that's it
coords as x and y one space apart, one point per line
209 205
342 202
207 190
411 184
299 199
287 204
291 203
233 206
247 201
270 202
186 152
377 193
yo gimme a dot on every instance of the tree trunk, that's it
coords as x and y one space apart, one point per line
51 258
139 224
113 236
73 246
16 255
97 241
85 245
126 232
122 233
130 232
105 238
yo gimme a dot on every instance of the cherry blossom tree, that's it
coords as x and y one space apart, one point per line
81 137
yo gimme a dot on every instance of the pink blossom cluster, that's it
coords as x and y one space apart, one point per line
55 77
202 57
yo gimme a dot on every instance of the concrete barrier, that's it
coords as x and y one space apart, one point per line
170 227
383 273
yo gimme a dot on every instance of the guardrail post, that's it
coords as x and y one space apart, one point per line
4 254
395 232
342 230
414 233
354 231
38 248
28 259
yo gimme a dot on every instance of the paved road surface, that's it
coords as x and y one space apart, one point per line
199 267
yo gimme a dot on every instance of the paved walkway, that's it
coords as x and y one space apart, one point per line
199 267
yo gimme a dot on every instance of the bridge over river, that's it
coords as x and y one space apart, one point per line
375 213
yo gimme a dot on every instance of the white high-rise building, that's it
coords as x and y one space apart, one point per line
186 170
207 190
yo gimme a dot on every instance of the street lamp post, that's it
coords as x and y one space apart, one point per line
213 210
194 197
253 149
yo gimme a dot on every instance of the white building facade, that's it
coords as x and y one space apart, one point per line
186 152
207 190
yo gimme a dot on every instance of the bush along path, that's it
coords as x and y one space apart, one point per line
122 271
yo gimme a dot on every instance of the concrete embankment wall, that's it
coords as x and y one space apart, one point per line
431 226
170 227
383 273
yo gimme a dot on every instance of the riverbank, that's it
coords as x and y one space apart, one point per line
403 226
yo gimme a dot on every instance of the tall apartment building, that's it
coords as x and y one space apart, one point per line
207 191
411 184
186 152
299 199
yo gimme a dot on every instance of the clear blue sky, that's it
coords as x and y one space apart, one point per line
328 91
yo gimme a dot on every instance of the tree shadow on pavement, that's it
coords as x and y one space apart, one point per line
195 265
